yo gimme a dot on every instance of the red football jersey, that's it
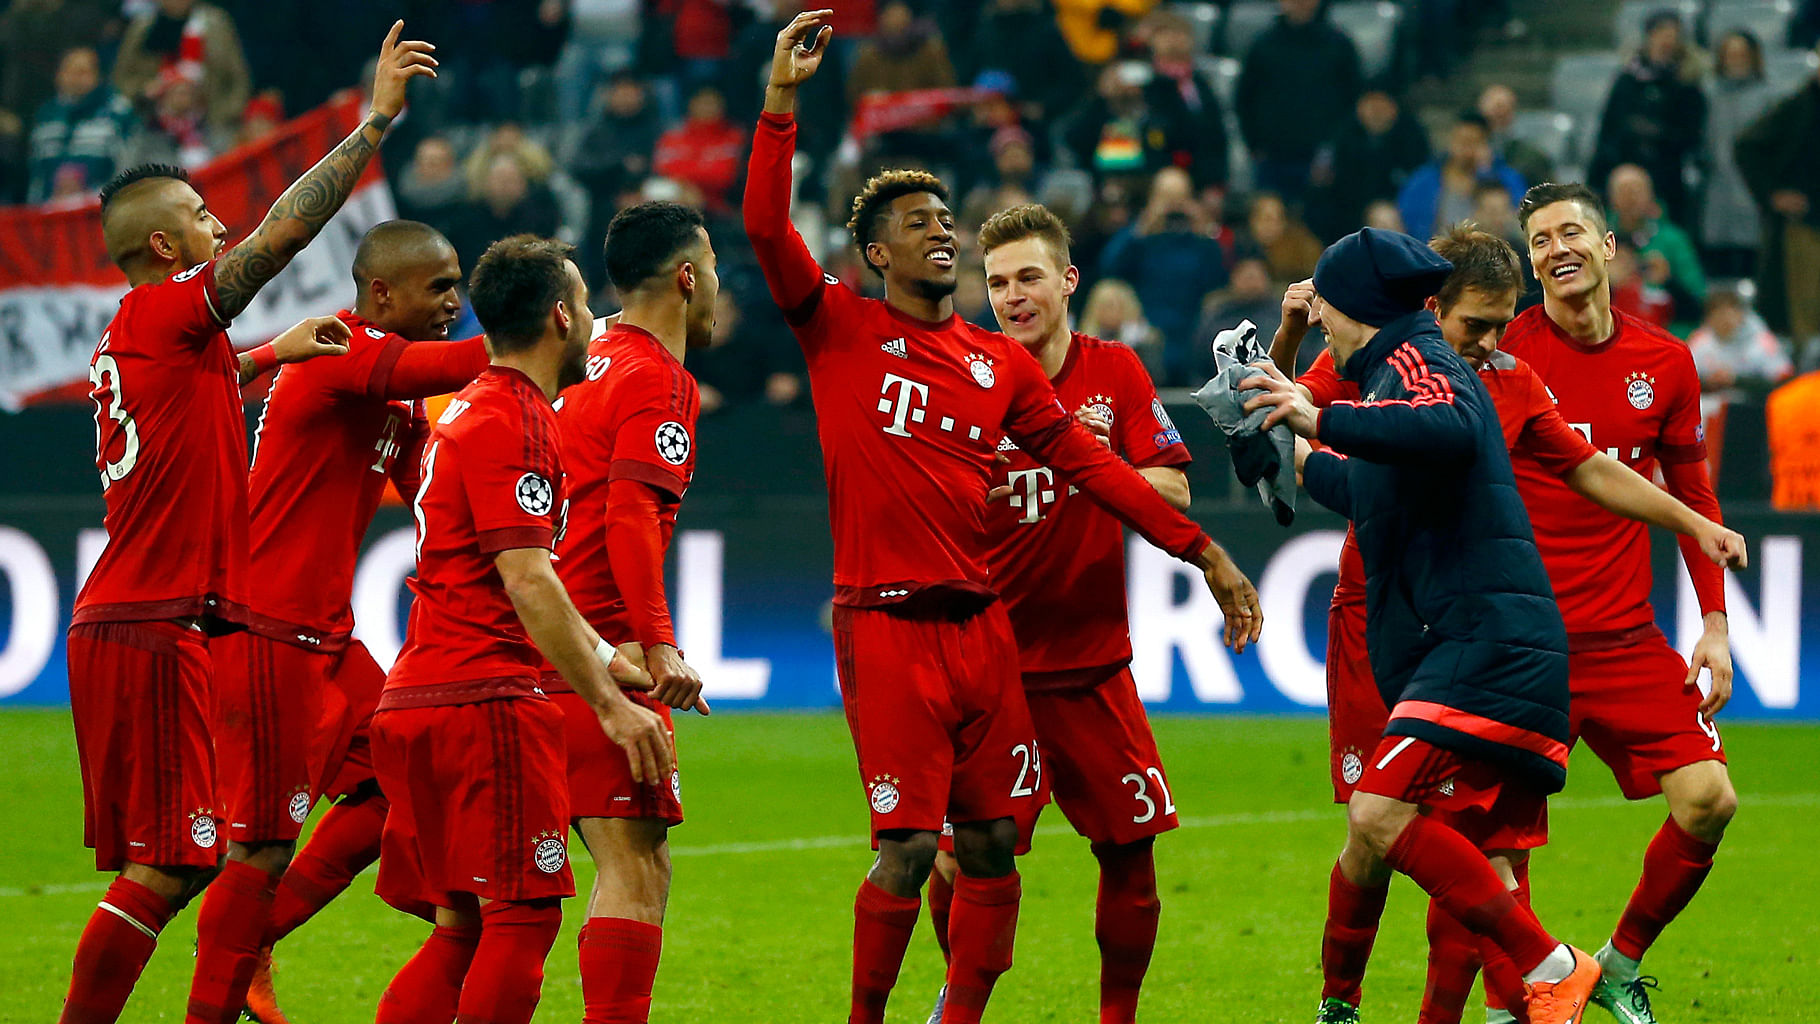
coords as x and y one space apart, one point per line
328 440
633 418
1057 559
492 482
1637 398
1532 427
170 442
910 413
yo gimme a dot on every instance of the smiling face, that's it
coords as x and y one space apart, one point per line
915 246
1569 247
420 300
1029 286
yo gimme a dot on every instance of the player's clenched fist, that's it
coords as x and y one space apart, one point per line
1237 597
317 336
800 47
641 734
399 62
1725 547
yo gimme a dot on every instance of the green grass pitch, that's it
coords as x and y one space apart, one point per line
767 864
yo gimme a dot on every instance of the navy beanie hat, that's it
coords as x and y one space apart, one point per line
1376 276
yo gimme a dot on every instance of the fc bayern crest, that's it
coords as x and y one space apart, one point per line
1101 406
550 854
884 794
673 442
300 806
676 784
535 495
1351 768
376 334
202 830
1640 389
981 368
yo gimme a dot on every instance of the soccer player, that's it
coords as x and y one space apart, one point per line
171 448
332 433
1464 640
1473 307
911 403
466 746
1058 563
1631 390
629 452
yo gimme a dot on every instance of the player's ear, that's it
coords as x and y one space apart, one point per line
1433 305
382 292
685 279
562 317
162 245
1611 245
1071 280
877 249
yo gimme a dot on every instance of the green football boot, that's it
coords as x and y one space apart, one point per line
1336 1011
1627 1000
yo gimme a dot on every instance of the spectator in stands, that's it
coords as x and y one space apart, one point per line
1779 156
1737 95
1733 350
1644 298
696 33
34 36
1656 113
706 150
1117 134
1637 218
752 358
264 115
748 67
1288 247
1442 192
1371 159
80 133
1113 311
178 130
1169 258
603 40
907 53
1498 106
1299 83
431 188
1021 37
507 137
613 156
1382 214
507 203
1094 29
189 40
1176 84
1013 174
1494 210
1250 296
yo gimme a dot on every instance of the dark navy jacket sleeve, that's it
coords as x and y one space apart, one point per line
1324 476
1427 421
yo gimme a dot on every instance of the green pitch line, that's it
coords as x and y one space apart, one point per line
760 923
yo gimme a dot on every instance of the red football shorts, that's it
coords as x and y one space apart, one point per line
271 771
600 774
1469 794
478 804
1356 716
141 696
1102 761
1629 706
938 717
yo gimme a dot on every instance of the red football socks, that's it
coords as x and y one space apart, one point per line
114 947
230 930
1452 871
983 932
1674 867
1352 926
428 987
618 966
941 904
1503 982
882 925
1453 963
346 840
1124 922
506 978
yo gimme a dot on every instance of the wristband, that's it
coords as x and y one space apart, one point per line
263 358
605 651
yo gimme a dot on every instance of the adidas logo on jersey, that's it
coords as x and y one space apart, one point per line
896 347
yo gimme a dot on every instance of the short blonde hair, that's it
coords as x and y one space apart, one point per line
1029 220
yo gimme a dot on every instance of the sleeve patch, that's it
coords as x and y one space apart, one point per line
673 442
535 495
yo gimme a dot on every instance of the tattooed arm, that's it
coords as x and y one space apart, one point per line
308 204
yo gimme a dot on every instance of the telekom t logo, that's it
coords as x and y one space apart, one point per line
905 406
1031 490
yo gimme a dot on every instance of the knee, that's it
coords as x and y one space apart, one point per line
1706 813
271 858
904 862
986 849
1372 828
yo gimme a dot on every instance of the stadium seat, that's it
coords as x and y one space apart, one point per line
1633 13
1552 132
1205 18
1245 21
1373 29
1768 21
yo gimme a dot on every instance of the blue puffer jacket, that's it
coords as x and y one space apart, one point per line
1463 631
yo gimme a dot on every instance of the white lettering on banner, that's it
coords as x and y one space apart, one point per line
1160 626
699 572
1282 595
1766 641
48 334
89 545
377 582
33 592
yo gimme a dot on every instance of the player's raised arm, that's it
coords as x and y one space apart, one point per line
1298 317
314 198
790 271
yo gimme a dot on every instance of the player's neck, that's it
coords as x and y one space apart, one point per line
1587 318
541 363
157 274
1052 352
906 301
668 322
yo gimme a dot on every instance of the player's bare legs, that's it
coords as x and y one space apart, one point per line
884 916
623 936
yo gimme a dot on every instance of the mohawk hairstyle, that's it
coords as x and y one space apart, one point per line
1481 261
144 172
881 190
1549 193
1028 220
